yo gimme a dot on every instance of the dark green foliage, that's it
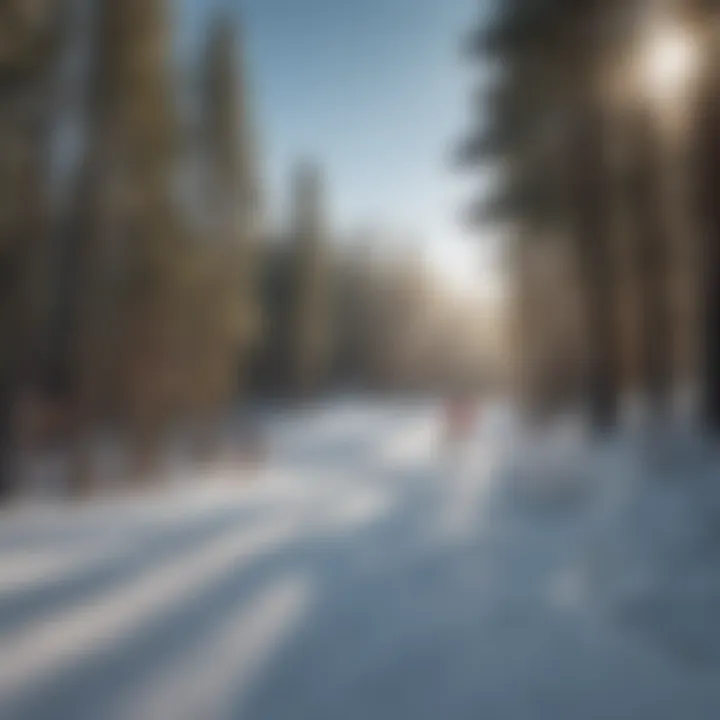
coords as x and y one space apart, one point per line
29 38
543 130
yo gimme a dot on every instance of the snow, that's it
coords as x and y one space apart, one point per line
364 573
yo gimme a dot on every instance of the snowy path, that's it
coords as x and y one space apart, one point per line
360 577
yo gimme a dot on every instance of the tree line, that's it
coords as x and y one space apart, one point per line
600 123
142 295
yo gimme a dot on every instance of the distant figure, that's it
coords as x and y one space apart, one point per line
460 419
253 450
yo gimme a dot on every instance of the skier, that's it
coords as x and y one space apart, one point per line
459 421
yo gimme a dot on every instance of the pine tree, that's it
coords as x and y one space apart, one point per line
29 39
126 319
235 190
227 303
706 189
310 312
546 132
651 250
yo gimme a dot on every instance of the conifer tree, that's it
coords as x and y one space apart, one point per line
126 320
226 312
29 39
310 311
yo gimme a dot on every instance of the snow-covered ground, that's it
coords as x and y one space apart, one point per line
363 574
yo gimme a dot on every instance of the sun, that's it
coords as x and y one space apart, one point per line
669 62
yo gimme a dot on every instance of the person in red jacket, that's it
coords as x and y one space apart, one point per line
460 419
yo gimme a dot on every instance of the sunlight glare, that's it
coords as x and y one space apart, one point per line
669 63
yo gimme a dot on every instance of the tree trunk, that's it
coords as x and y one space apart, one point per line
652 267
7 441
595 269
707 187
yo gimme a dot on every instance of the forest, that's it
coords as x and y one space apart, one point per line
145 294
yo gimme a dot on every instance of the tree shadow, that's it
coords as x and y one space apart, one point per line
338 565
107 573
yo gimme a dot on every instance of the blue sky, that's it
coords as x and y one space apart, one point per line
377 92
